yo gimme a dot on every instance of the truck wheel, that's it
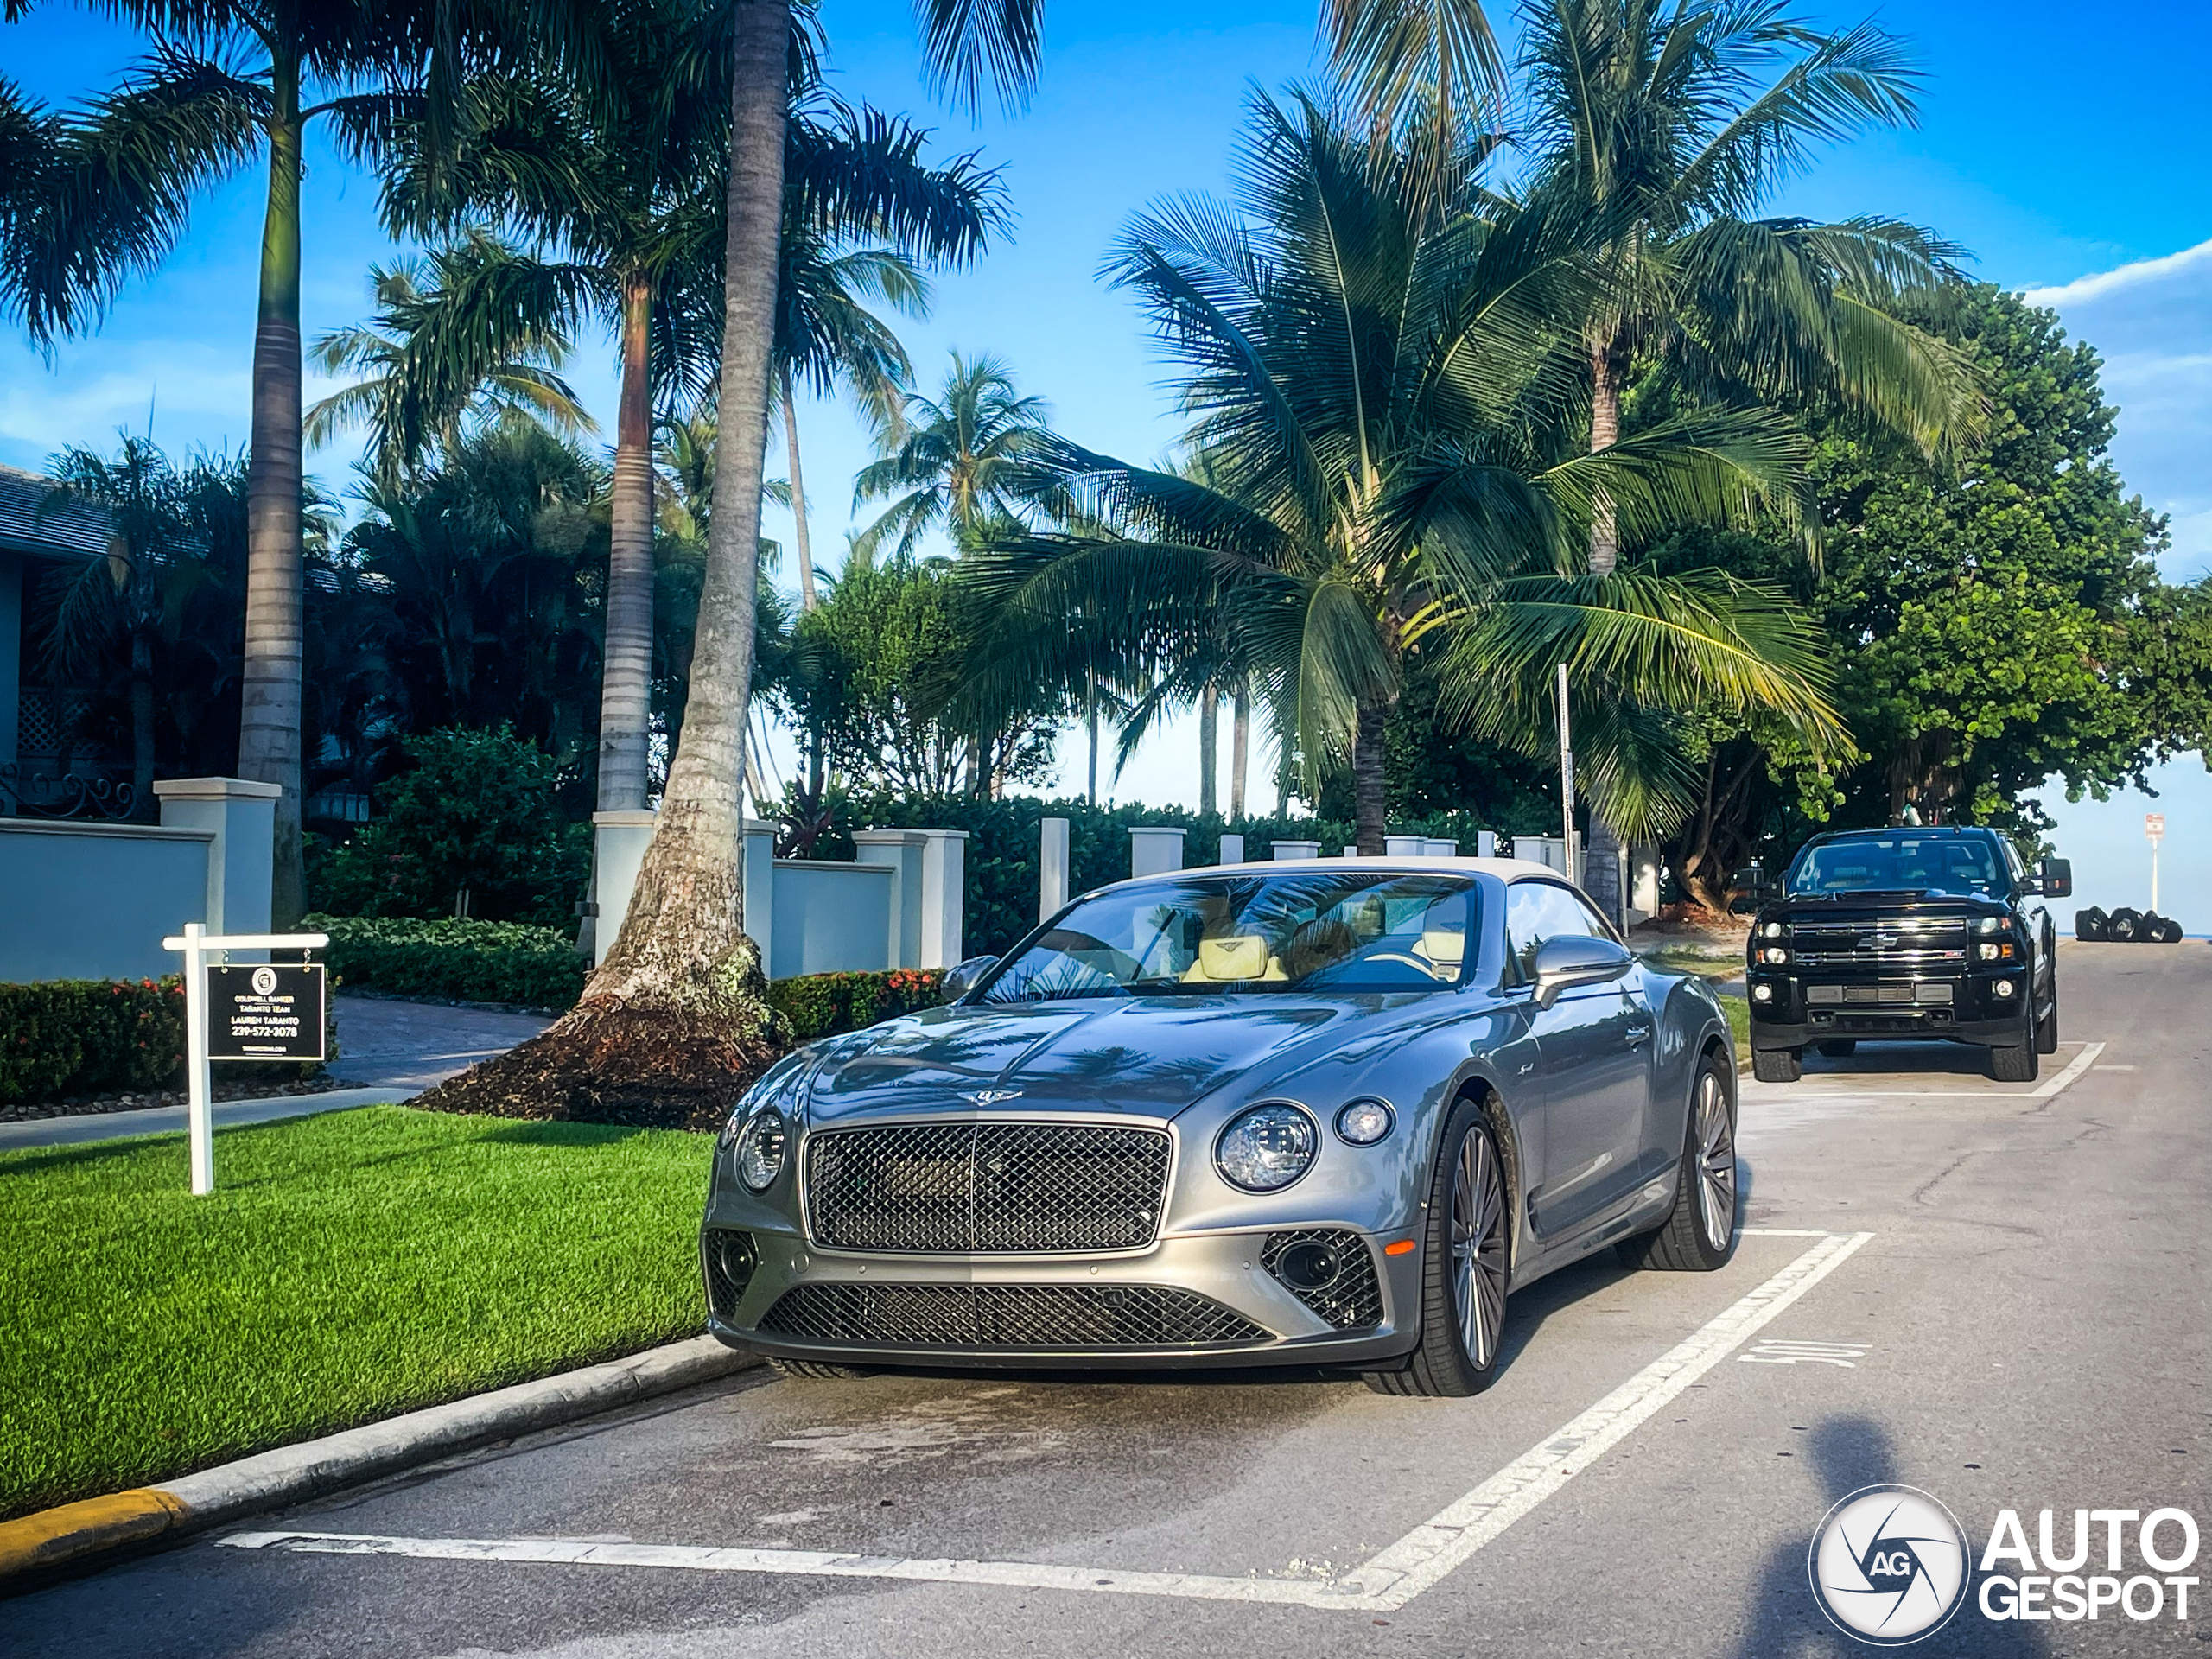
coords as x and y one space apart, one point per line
2017 1062
1838 1047
1778 1064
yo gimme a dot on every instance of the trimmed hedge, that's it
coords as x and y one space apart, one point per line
821 1005
60 1037
467 961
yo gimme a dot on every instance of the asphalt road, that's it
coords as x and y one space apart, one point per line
1996 1294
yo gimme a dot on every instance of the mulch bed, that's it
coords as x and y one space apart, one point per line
80 1105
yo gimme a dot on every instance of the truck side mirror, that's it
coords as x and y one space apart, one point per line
2056 879
1748 890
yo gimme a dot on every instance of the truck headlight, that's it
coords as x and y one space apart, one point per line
1989 925
1774 953
1266 1148
1773 930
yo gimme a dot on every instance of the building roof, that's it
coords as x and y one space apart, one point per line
66 530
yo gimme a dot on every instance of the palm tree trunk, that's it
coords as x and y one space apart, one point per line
1369 814
1601 872
626 662
806 596
682 944
141 719
1240 748
1604 432
1209 749
268 721
1090 721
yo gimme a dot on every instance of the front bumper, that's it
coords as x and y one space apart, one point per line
1798 1010
1060 1310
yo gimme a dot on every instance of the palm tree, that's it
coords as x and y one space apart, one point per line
1379 391
229 80
1676 123
958 463
416 398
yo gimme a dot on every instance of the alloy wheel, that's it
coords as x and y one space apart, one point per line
1478 1248
1716 1161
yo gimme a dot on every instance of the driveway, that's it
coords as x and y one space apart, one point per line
1995 1292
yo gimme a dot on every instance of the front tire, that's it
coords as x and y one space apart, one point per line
1467 1265
2022 1061
1700 1233
1778 1064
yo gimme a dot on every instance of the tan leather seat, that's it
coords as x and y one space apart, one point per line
1234 958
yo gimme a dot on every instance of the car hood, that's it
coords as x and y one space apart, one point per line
1152 1057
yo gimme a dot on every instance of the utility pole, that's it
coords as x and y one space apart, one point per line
1566 781
2154 831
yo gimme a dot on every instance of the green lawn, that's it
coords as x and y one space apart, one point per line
349 1266
1740 1022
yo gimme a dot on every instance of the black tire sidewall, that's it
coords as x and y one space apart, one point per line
1441 1351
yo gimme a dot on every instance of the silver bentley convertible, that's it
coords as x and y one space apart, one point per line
1326 1113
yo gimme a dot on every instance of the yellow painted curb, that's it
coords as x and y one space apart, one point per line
53 1536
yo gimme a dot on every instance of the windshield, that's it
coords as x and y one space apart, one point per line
1350 930
1900 860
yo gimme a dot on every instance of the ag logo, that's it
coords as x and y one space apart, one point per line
1889 1565
264 980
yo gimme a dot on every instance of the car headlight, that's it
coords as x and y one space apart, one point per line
760 1146
1266 1148
1363 1122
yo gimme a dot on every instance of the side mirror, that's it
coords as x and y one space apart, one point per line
1577 960
959 980
2056 879
1748 890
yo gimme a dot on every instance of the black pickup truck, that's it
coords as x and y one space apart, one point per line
1938 934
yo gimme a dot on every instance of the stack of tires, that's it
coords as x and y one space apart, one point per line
2126 926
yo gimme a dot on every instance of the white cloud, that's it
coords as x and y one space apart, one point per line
2129 276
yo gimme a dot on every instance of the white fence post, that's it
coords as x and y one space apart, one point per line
1286 851
945 895
1052 867
1154 849
1405 846
1232 851
1485 844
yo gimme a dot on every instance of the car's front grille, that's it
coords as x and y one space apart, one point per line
1007 1316
1877 946
1330 1270
985 1189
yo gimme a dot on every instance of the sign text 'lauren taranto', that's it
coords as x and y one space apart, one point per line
266 1012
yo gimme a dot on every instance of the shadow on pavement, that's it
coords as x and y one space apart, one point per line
1847 1452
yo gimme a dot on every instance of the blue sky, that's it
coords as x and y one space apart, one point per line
2059 144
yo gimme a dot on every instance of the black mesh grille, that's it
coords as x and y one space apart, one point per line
1008 1316
730 1259
1352 1298
986 1188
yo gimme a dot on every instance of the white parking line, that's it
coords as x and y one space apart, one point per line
1417 1561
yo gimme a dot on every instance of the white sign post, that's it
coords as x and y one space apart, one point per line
2154 831
198 944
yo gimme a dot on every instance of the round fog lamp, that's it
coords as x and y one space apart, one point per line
1266 1148
760 1149
1762 992
2004 988
1363 1122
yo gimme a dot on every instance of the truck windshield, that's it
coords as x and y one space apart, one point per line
1344 930
1900 861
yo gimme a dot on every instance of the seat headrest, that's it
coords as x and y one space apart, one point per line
1445 946
1238 955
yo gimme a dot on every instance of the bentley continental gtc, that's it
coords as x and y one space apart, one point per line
1328 1113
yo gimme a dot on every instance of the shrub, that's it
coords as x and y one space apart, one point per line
821 1005
60 1038
476 811
471 961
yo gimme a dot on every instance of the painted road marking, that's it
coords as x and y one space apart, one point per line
1776 1350
1416 1562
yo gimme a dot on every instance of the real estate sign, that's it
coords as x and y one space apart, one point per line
266 1012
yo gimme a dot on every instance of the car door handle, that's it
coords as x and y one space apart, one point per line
1638 1035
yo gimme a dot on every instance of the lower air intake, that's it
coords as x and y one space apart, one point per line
1330 1270
1007 1316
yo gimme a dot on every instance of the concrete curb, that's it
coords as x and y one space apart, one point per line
32 1547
